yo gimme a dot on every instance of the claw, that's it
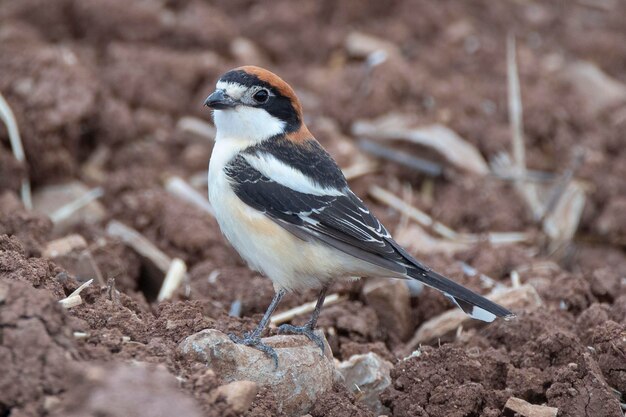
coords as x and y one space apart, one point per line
255 342
303 330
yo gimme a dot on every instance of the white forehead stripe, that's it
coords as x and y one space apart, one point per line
232 89
278 171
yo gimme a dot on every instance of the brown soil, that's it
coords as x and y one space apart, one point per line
90 76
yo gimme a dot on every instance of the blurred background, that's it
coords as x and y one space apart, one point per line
488 137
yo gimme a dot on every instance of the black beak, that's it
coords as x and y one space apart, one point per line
219 101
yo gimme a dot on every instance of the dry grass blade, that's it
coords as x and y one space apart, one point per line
402 158
515 106
412 212
72 207
443 140
6 114
501 167
441 229
417 240
74 299
290 314
175 275
564 182
562 223
528 191
140 244
181 189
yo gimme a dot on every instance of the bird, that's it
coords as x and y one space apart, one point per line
284 204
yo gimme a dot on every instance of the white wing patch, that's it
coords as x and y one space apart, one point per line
285 175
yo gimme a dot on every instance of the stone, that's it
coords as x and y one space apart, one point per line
367 376
238 394
302 375
71 253
518 407
390 298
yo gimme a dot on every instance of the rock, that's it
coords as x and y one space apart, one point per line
47 200
71 253
239 394
519 407
524 298
391 300
367 376
302 375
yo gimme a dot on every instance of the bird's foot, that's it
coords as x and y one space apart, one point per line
306 330
254 341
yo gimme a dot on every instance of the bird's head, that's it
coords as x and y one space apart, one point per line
254 104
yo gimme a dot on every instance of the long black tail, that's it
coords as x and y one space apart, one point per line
474 305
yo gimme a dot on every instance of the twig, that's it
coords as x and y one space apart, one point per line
173 278
74 299
7 116
140 244
412 212
500 170
442 230
290 314
515 106
517 133
402 158
70 208
180 188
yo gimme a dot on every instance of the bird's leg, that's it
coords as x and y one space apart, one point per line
253 338
309 328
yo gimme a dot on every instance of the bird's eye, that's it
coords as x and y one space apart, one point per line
261 96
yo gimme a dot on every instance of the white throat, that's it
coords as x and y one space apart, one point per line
248 124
